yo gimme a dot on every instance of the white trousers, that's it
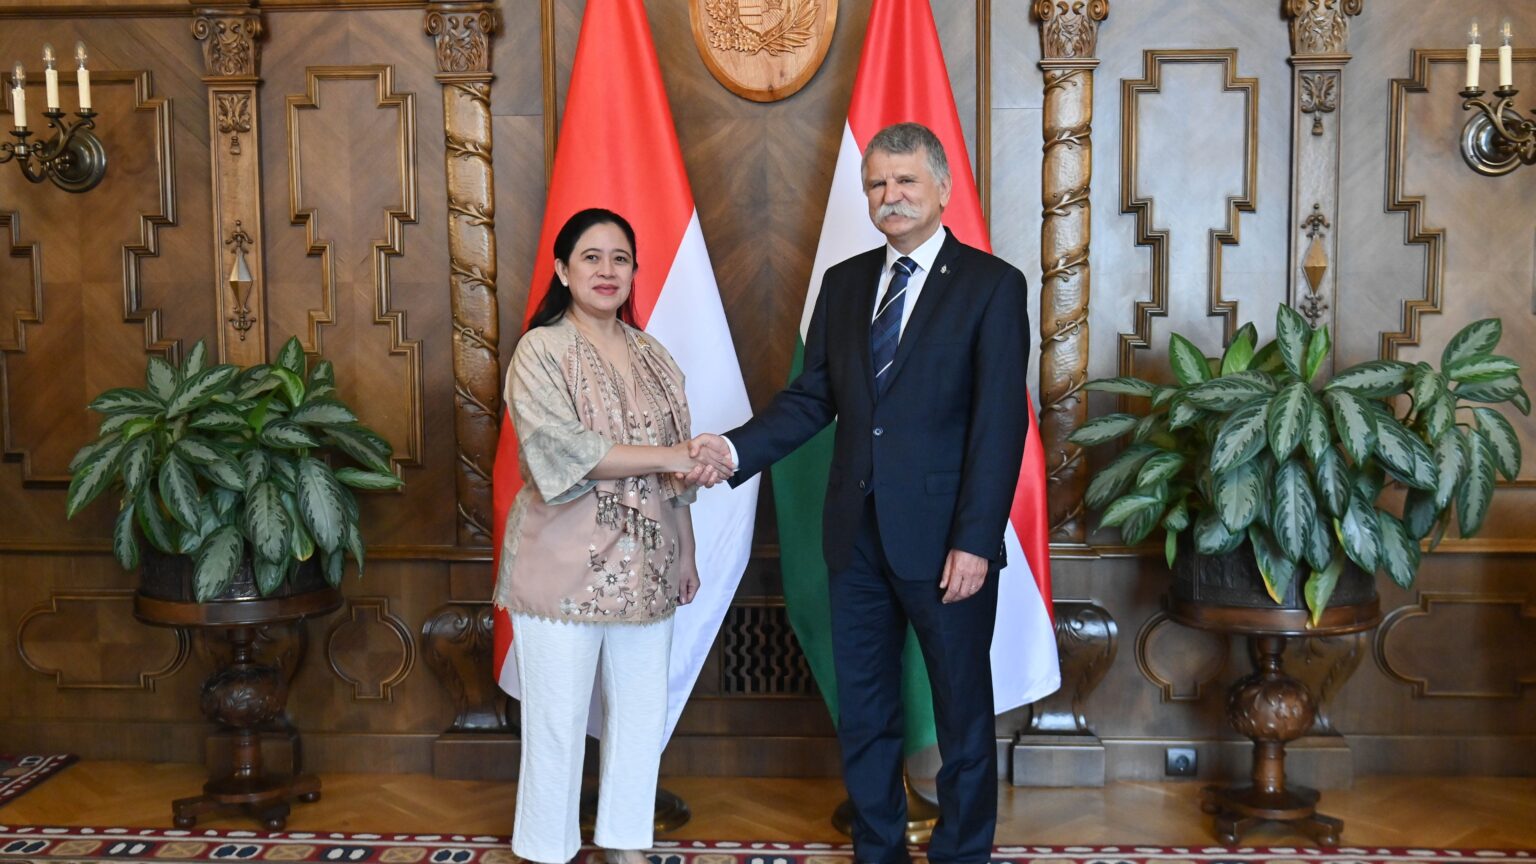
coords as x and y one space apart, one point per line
556 664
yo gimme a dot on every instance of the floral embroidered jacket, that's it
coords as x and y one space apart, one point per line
578 549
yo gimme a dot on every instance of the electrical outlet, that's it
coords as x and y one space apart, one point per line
1180 761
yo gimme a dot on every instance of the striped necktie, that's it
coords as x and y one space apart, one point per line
885 332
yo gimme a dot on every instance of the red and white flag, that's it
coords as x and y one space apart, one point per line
618 150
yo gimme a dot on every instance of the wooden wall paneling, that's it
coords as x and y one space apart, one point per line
88 640
1408 645
232 70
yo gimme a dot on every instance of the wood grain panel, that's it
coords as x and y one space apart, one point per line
1409 645
89 640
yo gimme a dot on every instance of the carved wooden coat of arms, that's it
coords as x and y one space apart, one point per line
763 50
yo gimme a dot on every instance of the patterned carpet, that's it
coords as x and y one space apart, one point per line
100 845
20 773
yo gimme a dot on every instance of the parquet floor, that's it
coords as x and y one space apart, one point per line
1467 812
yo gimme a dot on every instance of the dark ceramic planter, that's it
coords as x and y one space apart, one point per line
170 578
1233 580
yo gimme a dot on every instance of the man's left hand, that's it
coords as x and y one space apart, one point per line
964 574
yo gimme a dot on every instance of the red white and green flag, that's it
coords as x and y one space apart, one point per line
618 150
902 78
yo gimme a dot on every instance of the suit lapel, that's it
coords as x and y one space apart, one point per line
935 285
864 297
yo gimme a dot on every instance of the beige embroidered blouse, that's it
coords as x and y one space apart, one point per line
593 550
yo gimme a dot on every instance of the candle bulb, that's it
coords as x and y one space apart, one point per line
19 97
83 77
52 76
1474 57
1506 58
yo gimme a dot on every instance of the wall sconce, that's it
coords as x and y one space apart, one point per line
1498 139
73 158
241 282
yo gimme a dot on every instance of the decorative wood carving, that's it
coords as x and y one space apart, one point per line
1320 26
1132 200
1323 664
759 655
301 212
766 50
371 649
234 118
1068 36
16 340
88 640
1410 645
229 38
1319 95
281 646
1087 640
463 33
163 179
457 641
1181 661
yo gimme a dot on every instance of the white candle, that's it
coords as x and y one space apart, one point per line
19 98
1474 57
51 75
83 78
1506 58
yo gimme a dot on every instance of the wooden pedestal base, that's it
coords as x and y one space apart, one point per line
1240 808
265 799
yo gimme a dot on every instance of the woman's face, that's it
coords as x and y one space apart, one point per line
601 271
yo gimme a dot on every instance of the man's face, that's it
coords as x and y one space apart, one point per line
905 199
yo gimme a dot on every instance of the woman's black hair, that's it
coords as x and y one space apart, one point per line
558 298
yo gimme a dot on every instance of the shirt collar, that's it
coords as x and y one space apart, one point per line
923 255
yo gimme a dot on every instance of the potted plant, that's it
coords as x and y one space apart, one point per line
219 471
1254 458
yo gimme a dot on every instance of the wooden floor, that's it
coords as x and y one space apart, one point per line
1386 811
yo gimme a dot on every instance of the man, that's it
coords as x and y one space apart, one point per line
919 350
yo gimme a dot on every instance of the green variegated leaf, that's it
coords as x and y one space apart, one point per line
93 476
1399 552
136 464
255 465
1333 482
1482 367
1123 386
1403 452
1450 464
1320 548
285 435
1319 588
1522 402
1277 570
225 502
1189 365
335 567
1292 508
217 562
269 575
224 471
1503 389
1240 495
119 422
374 480
1315 438
1288 415
1374 379
1231 392
302 545
1170 548
1162 396
1292 333
1506 445
258 385
1419 512
1183 414
320 503
1124 507
1099 430
197 452
1318 348
266 522
1155 470
1440 529
1212 536
322 375
196 390
365 447
1360 533
1268 359
1355 422
1476 491
218 418
1148 426
178 490
1428 387
159 531
162 378
125 546
1177 517
291 356
1367 482
354 540
1438 419
1239 354
125 400
195 360
1140 524
1241 437
285 473
1479 337
292 385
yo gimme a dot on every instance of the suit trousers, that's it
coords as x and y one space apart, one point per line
871 608
556 663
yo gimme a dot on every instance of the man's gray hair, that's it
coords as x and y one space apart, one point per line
904 138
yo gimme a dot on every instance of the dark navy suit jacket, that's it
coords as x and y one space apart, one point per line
940 450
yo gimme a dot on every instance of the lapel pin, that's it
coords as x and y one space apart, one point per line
944 270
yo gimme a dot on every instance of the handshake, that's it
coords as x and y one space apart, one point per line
708 461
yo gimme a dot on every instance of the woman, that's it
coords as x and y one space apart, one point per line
598 549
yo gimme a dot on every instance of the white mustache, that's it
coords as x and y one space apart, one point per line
898 208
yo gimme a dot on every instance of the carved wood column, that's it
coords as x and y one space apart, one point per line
232 70
463 32
1059 747
1319 42
1068 42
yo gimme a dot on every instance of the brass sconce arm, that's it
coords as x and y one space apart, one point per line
1498 138
74 158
